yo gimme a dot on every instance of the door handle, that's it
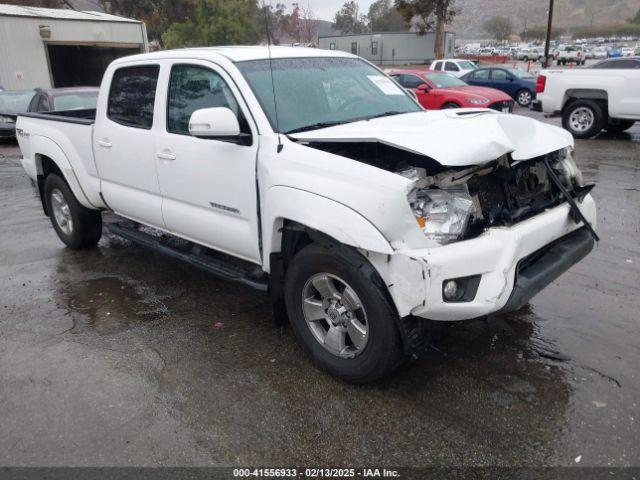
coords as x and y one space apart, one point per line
165 156
104 144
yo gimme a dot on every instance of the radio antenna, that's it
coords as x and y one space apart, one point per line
273 85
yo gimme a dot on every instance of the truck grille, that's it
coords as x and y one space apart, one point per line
509 195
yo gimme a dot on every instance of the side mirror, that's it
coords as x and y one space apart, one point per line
218 123
424 88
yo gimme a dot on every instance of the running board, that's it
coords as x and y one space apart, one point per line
218 267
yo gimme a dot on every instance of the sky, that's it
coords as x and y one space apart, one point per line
323 9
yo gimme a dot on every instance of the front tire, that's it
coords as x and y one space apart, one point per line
77 226
524 97
584 118
449 105
341 314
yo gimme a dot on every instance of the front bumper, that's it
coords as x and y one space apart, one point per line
514 263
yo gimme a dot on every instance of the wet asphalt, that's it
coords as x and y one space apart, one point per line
120 356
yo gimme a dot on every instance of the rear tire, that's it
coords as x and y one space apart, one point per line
619 126
369 346
77 226
584 118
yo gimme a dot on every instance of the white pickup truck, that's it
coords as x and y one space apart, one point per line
604 96
314 176
572 54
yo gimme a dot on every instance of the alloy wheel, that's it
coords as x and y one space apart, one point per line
335 315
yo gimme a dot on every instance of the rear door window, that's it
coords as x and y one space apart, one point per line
438 66
132 96
481 75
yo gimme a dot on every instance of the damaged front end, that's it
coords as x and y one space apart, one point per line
460 204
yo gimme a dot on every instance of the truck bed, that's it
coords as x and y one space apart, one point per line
82 117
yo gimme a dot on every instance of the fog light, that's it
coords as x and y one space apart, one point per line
450 289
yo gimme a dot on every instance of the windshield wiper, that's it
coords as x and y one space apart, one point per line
316 126
384 114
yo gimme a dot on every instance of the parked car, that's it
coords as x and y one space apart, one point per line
526 54
604 96
12 102
312 175
628 52
614 52
453 66
518 84
600 53
61 99
439 90
572 54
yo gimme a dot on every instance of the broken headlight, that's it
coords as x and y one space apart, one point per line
568 168
443 215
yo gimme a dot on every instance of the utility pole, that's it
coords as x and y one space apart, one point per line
549 27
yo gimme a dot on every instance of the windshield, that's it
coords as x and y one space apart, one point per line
15 102
75 101
520 73
444 80
312 91
467 65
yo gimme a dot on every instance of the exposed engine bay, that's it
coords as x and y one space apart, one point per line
452 204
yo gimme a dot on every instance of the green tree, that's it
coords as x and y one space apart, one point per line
348 19
218 22
278 21
384 17
158 15
499 27
424 14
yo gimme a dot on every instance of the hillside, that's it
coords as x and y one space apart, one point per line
567 13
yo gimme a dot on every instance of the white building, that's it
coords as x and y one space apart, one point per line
43 47
391 48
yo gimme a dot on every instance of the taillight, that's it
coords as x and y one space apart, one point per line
579 54
541 83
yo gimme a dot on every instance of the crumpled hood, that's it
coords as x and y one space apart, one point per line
453 138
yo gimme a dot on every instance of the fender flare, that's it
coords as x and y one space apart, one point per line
43 146
321 214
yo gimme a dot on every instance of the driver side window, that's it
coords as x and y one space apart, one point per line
411 81
192 88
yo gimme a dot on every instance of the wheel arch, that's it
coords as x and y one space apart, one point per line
49 158
596 94
286 206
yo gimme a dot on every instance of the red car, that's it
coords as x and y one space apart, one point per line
438 90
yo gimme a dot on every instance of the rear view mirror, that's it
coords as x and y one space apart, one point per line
214 123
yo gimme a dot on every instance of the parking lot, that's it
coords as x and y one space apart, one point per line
120 356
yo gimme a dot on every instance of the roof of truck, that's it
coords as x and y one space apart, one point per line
240 53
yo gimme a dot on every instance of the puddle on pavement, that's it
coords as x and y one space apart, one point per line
111 304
